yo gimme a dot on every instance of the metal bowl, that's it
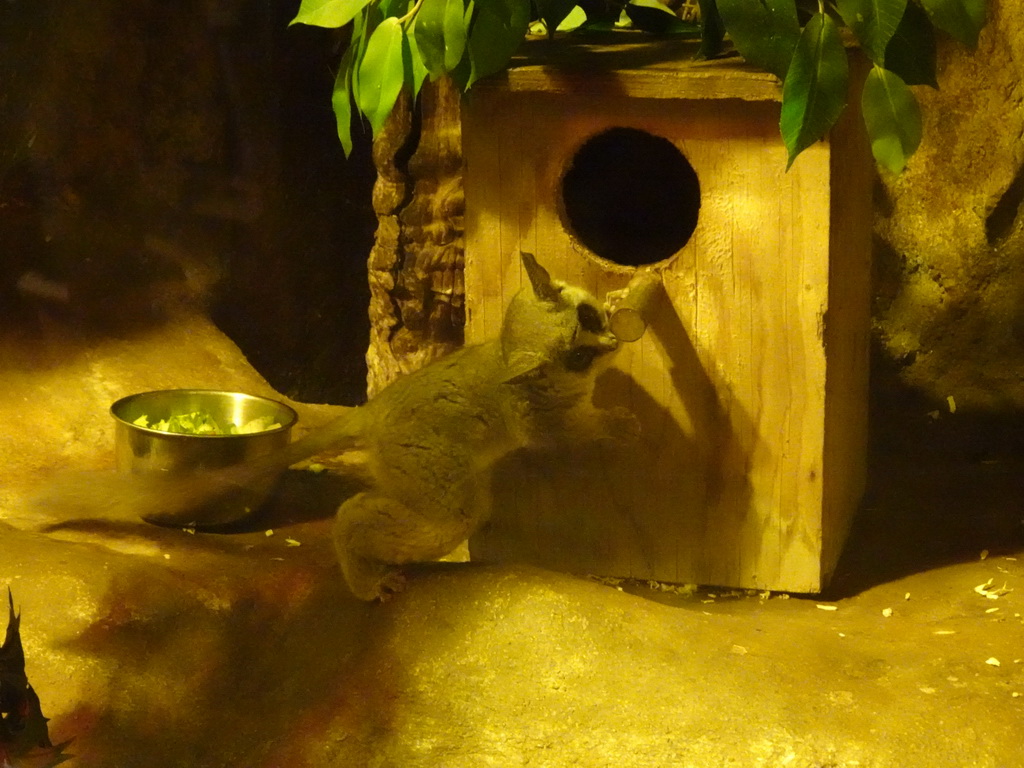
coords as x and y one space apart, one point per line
142 449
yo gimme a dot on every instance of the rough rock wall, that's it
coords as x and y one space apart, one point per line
950 230
102 111
158 157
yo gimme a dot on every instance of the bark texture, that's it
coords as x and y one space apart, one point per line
416 305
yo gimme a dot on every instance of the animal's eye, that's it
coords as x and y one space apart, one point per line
579 358
589 318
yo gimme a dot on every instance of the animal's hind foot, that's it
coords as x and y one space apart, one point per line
382 584
392 583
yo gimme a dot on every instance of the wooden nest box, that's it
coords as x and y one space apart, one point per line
750 382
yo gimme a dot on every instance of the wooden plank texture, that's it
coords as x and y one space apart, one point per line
649 69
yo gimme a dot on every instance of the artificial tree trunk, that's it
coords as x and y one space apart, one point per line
415 266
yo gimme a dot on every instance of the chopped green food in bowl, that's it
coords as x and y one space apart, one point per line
181 432
202 423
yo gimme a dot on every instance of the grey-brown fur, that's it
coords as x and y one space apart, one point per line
430 437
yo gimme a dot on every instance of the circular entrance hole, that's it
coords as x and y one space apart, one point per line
631 197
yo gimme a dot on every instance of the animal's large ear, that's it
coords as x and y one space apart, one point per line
543 288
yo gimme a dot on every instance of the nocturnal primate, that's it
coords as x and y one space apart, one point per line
429 438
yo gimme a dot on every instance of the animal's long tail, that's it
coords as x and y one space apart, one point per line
174 499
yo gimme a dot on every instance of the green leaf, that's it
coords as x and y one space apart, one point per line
892 117
911 51
497 30
575 19
428 29
362 28
454 33
712 30
441 34
873 22
765 32
415 71
554 12
381 72
341 100
814 92
963 19
328 13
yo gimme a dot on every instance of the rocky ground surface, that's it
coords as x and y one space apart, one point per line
162 647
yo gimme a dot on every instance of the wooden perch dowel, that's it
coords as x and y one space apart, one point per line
634 306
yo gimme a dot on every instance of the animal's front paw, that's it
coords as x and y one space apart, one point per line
612 299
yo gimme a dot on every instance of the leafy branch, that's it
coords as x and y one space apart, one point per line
898 36
396 44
